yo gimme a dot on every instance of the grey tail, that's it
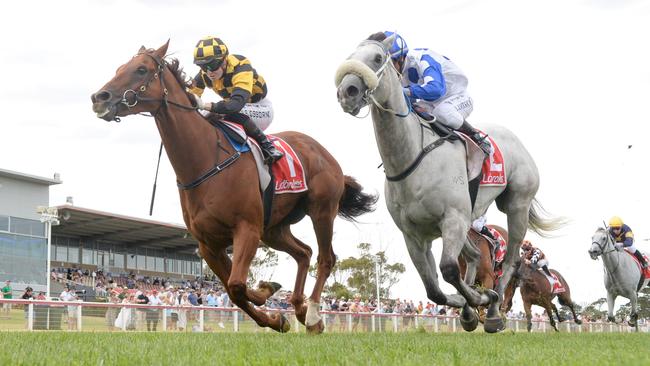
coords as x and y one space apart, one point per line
543 223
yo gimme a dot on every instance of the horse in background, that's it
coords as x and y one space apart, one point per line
486 274
535 289
623 275
220 192
426 186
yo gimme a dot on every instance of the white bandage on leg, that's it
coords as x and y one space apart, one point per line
312 317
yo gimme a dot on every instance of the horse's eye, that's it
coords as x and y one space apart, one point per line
377 58
141 70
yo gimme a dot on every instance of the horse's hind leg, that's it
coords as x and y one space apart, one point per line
322 211
565 300
280 238
516 207
529 314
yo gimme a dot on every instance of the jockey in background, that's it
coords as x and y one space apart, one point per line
624 238
243 91
434 85
535 257
479 225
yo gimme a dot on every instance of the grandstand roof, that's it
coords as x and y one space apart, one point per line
30 178
130 231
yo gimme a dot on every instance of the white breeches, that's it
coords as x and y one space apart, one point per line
541 263
631 249
261 113
450 111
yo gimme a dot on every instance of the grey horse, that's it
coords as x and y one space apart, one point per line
432 200
623 277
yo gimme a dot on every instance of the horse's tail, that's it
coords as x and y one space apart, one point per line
354 202
541 222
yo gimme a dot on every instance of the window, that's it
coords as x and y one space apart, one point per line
118 260
60 252
140 261
87 256
27 227
160 264
4 223
130 260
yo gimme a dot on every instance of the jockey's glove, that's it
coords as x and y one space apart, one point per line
200 104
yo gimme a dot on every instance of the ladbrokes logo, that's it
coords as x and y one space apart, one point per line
286 185
491 179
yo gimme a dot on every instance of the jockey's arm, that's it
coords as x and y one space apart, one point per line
433 86
233 104
629 239
198 85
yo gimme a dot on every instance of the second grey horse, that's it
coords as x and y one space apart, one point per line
623 277
431 200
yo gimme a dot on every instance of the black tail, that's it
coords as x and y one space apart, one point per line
354 202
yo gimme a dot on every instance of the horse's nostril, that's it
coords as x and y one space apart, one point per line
352 91
102 96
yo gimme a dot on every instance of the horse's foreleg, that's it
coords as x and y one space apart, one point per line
633 314
610 307
221 265
245 242
280 238
453 239
425 264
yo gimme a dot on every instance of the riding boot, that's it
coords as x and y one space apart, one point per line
271 154
545 268
473 133
639 256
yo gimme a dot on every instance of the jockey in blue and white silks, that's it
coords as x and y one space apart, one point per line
624 238
436 86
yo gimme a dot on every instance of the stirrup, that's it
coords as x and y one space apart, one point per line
272 155
482 142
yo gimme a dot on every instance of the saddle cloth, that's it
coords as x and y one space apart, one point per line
556 285
288 173
493 168
645 271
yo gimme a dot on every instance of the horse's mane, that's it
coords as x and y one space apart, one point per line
175 67
379 36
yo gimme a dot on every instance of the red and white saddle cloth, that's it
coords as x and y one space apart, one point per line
288 172
493 168
494 171
556 285
645 271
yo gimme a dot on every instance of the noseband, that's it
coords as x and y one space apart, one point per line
137 97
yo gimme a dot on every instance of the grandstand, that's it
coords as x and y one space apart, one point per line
85 241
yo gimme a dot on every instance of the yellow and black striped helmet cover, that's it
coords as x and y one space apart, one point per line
210 48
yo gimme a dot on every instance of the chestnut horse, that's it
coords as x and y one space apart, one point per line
536 290
485 273
220 195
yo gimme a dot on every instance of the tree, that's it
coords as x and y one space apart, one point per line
356 275
594 310
263 266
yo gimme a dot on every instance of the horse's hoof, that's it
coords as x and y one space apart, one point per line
611 319
471 322
493 325
631 323
285 326
316 329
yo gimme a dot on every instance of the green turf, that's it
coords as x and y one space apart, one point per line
415 348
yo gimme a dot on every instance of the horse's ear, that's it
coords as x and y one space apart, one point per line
142 49
162 51
389 41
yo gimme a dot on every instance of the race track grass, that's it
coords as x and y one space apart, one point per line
139 348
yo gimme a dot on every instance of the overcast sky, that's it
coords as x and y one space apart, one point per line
570 78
